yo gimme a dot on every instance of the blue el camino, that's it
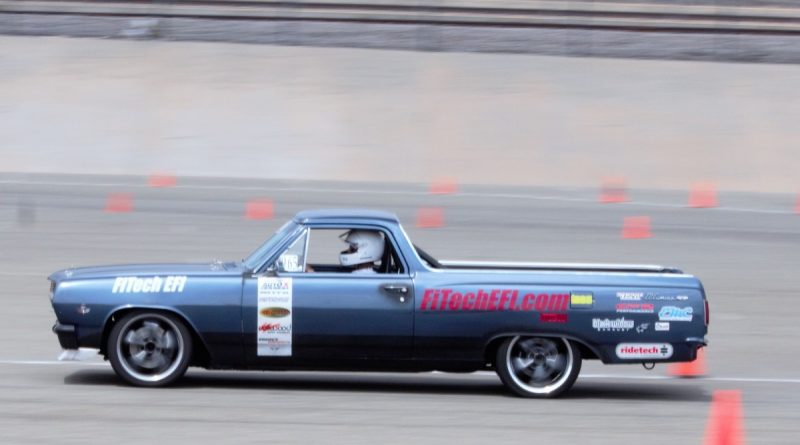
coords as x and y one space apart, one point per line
347 290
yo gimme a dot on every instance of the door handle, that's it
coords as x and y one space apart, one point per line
396 288
400 289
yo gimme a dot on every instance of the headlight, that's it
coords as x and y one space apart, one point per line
52 289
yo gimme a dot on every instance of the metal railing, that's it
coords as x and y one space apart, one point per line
723 17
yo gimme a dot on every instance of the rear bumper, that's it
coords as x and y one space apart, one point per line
67 335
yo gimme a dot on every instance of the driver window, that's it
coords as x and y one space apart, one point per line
333 250
294 258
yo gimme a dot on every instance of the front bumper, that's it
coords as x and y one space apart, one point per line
67 335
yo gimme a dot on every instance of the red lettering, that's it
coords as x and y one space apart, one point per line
541 302
527 302
426 299
553 318
483 300
445 294
435 300
455 301
558 302
514 300
493 300
504 297
468 302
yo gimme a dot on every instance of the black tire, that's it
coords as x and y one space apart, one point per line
538 367
148 348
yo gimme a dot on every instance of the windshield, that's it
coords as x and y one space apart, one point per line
256 258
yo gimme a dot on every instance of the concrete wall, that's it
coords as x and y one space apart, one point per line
221 109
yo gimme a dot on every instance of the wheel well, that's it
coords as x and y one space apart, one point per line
200 355
490 351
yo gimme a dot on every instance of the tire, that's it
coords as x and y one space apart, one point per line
538 367
149 348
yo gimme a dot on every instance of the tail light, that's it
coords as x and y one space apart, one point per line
706 311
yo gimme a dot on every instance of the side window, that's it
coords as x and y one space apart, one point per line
335 250
293 259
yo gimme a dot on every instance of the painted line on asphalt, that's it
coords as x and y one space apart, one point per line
387 192
25 274
479 373
50 363
663 377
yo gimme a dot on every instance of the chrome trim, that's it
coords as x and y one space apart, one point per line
560 266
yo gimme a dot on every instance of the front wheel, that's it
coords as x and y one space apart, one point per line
149 348
538 366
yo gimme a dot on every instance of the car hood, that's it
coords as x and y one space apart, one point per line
189 269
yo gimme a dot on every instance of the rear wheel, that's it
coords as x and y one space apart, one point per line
149 348
538 366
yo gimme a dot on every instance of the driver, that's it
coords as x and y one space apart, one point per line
365 248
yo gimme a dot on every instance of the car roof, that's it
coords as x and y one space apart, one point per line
343 215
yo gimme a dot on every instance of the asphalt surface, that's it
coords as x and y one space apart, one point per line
745 251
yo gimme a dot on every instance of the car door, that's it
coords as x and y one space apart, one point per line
328 317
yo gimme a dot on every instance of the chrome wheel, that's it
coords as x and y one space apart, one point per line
150 349
538 366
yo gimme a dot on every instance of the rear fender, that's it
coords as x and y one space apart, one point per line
493 343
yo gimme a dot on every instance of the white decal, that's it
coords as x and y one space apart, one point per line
662 326
644 350
169 284
274 317
630 296
617 324
291 263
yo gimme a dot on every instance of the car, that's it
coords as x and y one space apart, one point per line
298 303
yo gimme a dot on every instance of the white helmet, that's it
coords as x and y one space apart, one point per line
366 246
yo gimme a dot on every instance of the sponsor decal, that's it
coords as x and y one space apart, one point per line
291 263
636 308
581 300
492 300
634 351
83 309
650 296
152 285
274 327
274 312
662 326
553 318
656 297
673 313
616 324
642 327
274 338
630 296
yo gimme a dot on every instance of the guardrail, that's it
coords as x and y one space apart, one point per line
509 13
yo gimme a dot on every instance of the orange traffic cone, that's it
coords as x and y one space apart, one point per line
259 209
636 227
694 368
725 419
162 180
444 186
430 217
613 190
119 203
703 195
